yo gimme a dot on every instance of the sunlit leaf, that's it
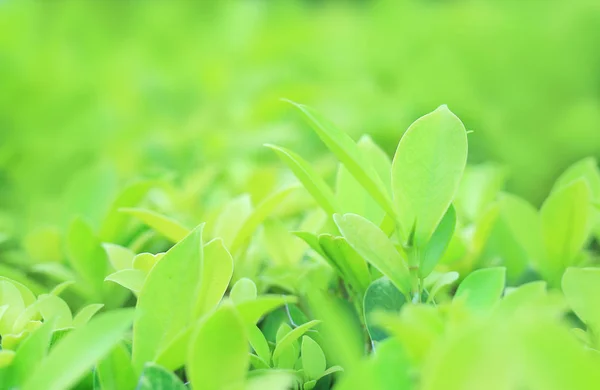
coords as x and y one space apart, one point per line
218 354
426 171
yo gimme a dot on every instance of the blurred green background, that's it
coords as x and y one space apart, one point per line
96 94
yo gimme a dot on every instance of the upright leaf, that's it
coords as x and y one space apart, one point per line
438 243
161 316
310 179
565 227
376 248
581 287
218 354
346 150
426 171
217 269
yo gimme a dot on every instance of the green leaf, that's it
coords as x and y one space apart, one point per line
270 380
439 241
442 281
85 314
114 224
58 289
218 354
78 351
26 295
524 222
243 290
376 248
581 287
259 343
351 194
346 150
131 279
381 295
162 316
258 363
155 377
53 307
116 371
426 171
565 227
587 169
118 256
11 298
168 227
260 213
230 220
87 257
145 261
30 354
346 261
293 336
252 311
310 179
217 269
481 289
313 359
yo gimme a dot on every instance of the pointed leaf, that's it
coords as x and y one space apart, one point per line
218 355
78 351
427 169
376 248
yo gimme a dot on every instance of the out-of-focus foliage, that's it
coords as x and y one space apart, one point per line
148 239
98 92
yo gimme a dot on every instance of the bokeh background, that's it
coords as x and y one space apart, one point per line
96 94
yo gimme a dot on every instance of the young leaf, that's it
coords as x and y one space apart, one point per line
162 316
259 343
11 299
218 354
381 295
581 287
376 248
243 290
230 220
262 211
427 169
53 307
155 377
168 227
481 289
565 227
441 282
310 179
252 311
78 351
346 150
118 256
293 336
85 314
131 279
438 243
217 269
87 257
346 261
29 354
145 261
114 223
313 359
116 371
